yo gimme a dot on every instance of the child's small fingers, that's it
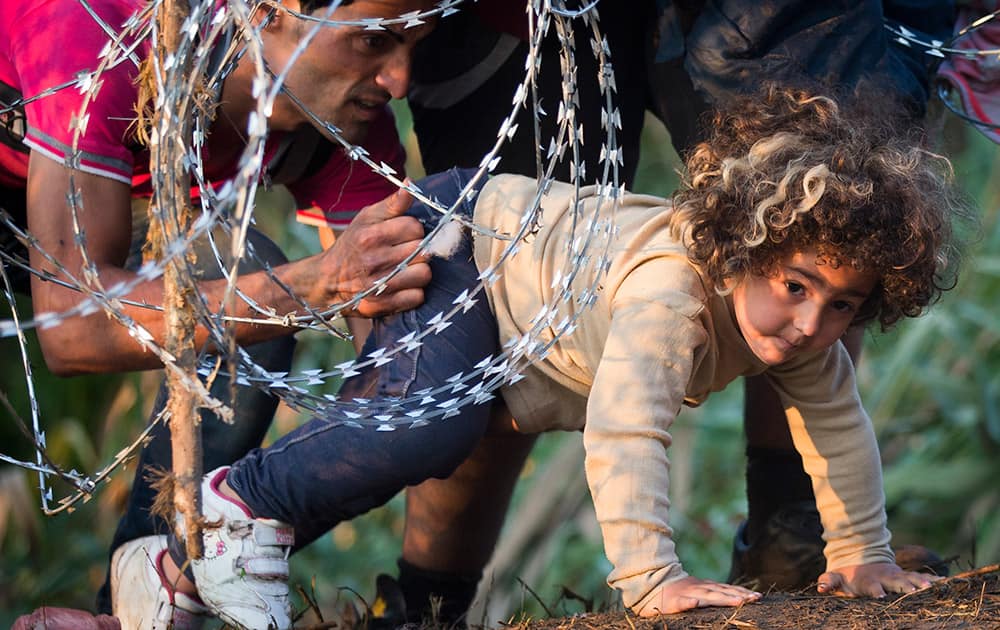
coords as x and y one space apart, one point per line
670 605
737 591
911 582
925 579
693 593
876 590
930 579
830 583
726 595
680 604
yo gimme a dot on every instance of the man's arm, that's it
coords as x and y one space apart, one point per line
375 242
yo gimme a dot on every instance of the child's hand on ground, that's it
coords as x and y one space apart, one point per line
692 592
872 580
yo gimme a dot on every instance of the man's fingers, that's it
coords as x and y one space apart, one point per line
385 260
392 206
404 291
415 276
399 202
390 302
417 273
403 250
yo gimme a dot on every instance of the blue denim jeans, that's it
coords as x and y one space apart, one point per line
222 443
327 471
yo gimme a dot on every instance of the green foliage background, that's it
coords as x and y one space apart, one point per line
931 386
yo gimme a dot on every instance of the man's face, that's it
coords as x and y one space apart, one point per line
348 73
802 307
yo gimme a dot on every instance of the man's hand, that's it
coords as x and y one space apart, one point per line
377 240
872 580
691 592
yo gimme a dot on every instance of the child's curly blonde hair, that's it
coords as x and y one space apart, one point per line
787 170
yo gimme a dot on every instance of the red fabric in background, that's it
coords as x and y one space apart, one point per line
976 80
49 618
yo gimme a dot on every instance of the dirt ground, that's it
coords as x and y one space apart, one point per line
967 600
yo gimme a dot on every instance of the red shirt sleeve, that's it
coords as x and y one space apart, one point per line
53 43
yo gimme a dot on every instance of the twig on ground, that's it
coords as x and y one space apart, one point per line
733 621
548 612
979 604
992 568
310 602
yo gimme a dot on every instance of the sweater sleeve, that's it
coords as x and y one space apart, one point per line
835 437
638 389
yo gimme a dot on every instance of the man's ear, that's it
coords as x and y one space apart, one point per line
274 16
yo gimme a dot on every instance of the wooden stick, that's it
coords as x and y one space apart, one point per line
172 124
976 572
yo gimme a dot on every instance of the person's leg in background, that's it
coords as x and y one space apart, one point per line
222 443
700 54
452 525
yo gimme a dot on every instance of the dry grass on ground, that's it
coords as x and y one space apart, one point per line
968 600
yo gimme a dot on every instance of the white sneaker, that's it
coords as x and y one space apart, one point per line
141 597
243 576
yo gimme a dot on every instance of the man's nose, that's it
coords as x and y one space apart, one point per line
394 76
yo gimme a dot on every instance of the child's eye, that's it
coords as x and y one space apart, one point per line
794 287
843 307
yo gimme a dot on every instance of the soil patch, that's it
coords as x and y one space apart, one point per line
967 600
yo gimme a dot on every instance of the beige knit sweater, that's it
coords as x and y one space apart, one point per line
657 337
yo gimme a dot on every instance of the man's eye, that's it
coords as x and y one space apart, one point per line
843 307
374 42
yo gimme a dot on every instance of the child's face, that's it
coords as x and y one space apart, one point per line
802 307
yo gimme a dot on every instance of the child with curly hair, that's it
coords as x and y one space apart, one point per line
798 218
